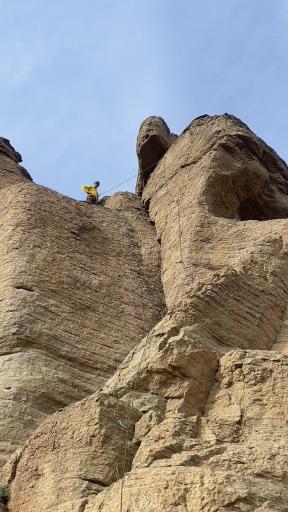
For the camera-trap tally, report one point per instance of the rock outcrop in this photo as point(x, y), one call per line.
point(80, 451)
point(153, 140)
point(233, 457)
point(195, 418)
point(80, 286)
point(7, 149)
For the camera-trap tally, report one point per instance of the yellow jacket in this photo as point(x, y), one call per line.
point(90, 190)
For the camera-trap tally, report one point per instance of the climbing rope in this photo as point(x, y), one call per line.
point(121, 424)
point(118, 422)
point(118, 185)
point(128, 179)
point(176, 202)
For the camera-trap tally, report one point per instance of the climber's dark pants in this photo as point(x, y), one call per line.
point(91, 199)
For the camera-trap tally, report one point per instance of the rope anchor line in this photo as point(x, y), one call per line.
point(128, 179)
point(123, 427)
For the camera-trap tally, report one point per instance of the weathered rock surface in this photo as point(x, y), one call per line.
point(222, 269)
point(204, 394)
point(153, 140)
point(75, 453)
point(7, 149)
point(79, 287)
point(232, 458)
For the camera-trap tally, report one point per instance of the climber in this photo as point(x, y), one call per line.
point(92, 192)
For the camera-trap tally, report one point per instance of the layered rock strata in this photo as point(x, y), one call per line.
point(79, 286)
point(196, 416)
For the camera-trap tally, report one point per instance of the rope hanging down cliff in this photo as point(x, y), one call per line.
point(124, 427)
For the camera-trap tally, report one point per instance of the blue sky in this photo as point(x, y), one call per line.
point(77, 78)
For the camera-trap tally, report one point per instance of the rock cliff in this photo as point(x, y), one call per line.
point(79, 287)
point(195, 417)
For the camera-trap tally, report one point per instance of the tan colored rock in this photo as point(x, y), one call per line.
point(154, 139)
point(144, 426)
point(202, 440)
point(73, 279)
point(123, 201)
point(242, 465)
point(173, 435)
point(218, 199)
point(174, 366)
point(173, 363)
point(225, 274)
point(281, 340)
point(74, 454)
point(185, 489)
point(7, 149)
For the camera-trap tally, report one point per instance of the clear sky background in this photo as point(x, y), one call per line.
point(77, 78)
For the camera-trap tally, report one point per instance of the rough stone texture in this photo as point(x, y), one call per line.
point(74, 454)
point(79, 287)
point(281, 341)
point(153, 140)
point(123, 201)
point(162, 382)
point(204, 394)
point(234, 459)
point(222, 269)
point(174, 363)
point(7, 149)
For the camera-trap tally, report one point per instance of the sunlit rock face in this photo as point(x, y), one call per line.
point(73, 280)
point(218, 199)
point(195, 417)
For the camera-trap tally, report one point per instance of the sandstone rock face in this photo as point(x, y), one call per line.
point(232, 458)
point(195, 418)
point(73, 280)
point(281, 341)
point(72, 463)
point(153, 140)
point(7, 149)
point(214, 198)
